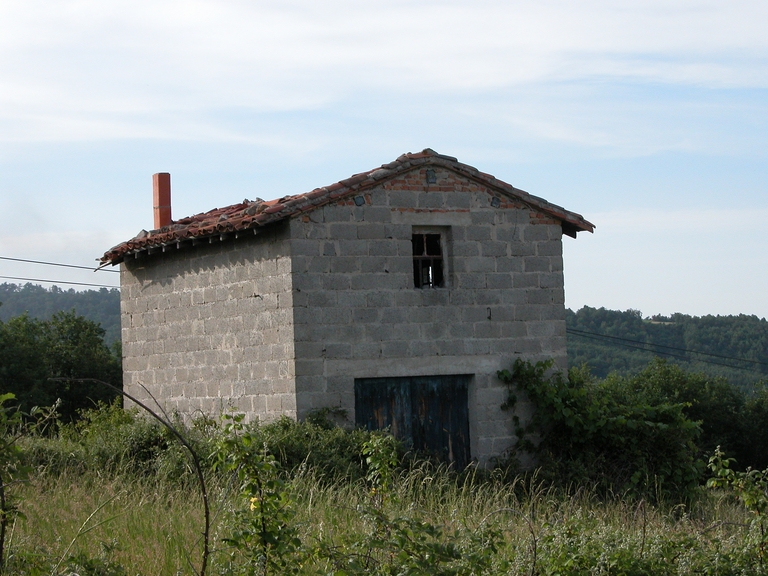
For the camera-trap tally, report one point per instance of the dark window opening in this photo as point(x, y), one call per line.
point(427, 261)
point(428, 413)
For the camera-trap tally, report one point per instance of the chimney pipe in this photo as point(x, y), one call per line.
point(161, 194)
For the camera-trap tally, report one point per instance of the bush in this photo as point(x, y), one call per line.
point(117, 441)
point(607, 434)
point(316, 443)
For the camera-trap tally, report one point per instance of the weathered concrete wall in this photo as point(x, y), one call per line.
point(211, 327)
point(357, 313)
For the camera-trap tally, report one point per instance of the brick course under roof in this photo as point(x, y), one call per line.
point(259, 213)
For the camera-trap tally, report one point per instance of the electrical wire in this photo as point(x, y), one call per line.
point(56, 264)
point(626, 342)
point(606, 336)
point(57, 282)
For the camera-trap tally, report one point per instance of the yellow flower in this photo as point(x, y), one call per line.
point(254, 501)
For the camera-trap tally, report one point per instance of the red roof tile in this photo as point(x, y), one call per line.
point(255, 214)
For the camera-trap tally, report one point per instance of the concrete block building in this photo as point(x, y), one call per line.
point(395, 294)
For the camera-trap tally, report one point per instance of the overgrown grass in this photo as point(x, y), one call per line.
point(151, 528)
point(113, 496)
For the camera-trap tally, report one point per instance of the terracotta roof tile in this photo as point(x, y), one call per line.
point(258, 213)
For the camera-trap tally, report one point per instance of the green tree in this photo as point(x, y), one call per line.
point(66, 347)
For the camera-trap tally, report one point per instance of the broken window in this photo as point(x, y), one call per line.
point(427, 260)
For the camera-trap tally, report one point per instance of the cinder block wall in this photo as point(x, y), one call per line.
point(211, 328)
point(357, 313)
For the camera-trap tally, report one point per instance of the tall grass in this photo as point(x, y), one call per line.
point(116, 498)
point(154, 528)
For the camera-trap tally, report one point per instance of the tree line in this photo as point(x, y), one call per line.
point(612, 341)
point(101, 306)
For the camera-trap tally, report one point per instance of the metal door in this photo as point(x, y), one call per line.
point(427, 413)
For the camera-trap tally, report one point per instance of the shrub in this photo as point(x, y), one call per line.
point(605, 434)
point(315, 443)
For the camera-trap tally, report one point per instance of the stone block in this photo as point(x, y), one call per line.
point(377, 214)
point(487, 329)
point(402, 198)
point(479, 265)
point(488, 297)
point(355, 247)
point(434, 331)
point(365, 350)
point(394, 349)
point(498, 280)
point(372, 230)
point(482, 220)
point(521, 249)
point(408, 297)
point(460, 200)
point(337, 281)
point(395, 316)
point(386, 247)
point(335, 315)
point(380, 299)
point(462, 297)
point(469, 281)
point(420, 348)
point(536, 264)
point(494, 249)
point(536, 233)
point(345, 265)
point(430, 199)
point(435, 297)
point(336, 213)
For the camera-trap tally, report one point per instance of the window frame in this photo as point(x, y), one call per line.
point(442, 279)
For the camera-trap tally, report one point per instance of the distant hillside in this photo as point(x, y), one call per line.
point(102, 306)
point(610, 340)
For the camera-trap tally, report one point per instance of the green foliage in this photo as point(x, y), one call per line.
point(739, 336)
point(67, 347)
point(101, 306)
point(711, 401)
point(330, 451)
point(13, 470)
point(425, 522)
point(753, 448)
point(263, 532)
point(606, 434)
point(393, 544)
point(381, 457)
point(751, 488)
point(120, 442)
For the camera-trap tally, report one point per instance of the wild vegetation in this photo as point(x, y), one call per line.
point(113, 494)
point(656, 471)
point(40, 358)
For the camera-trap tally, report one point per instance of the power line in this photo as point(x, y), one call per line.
point(57, 282)
point(626, 342)
point(56, 264)
point(575, 331)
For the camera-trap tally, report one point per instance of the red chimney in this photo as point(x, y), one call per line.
point(161, 194)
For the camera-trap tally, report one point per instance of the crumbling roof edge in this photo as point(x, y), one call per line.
point(250, 215)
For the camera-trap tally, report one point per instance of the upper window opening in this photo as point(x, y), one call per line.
point(427, 260)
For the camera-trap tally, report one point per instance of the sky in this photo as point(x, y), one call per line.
point(649, 118)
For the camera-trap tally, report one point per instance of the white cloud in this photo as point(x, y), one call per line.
point(88, 69)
